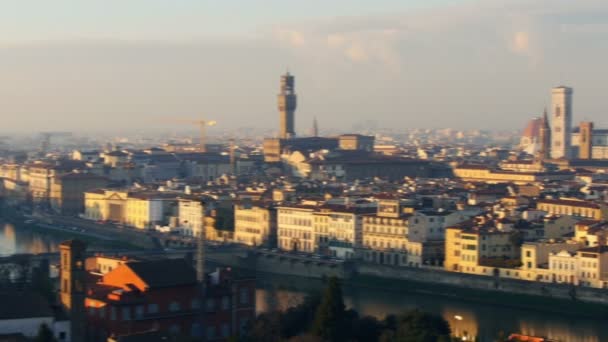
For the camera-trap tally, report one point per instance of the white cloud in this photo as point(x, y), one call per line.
point(521, 42)
point(293, 38)
point(356, 53)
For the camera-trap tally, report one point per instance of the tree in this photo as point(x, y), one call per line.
point(329, 323)
point(266, 327)
point(417, 326)
point(365, 329)
point(45, 334)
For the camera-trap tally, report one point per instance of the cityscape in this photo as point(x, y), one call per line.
point(318, 224)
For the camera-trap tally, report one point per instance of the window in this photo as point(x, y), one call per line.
point(528, 254)
point(225, 330)
point(126, 313)
point(113, 313)
point(210, 305)
point(174, 306)
point(174, 329)
point(153, 308)
point(195, 304)
point(139, 311)
point(225, 303)
point(196, 330)
point(244, 296)
point(210, 332)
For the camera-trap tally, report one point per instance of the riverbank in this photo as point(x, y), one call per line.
point(502, 299)
point(546, 297)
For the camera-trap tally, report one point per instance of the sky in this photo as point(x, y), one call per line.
point(104, 65)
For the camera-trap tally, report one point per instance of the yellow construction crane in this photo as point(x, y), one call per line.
point(203, 124)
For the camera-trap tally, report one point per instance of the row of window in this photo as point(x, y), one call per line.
point(384, 230)
point(128, 313)
point(246, 218)
point(295, 221)
point(568, 210)
point(294, 233)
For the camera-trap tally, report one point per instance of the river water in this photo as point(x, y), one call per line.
point(279, 292)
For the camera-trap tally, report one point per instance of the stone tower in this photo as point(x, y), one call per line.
point(72, 287)
point(544, 137)
point(287, 107)
point(561, 125)
point(585, 140)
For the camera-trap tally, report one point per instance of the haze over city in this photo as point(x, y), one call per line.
point(461, 64)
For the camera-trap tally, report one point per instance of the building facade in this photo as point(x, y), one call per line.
point(287, 103)
point(561, 124)
point(295, 228)
point(255, 224)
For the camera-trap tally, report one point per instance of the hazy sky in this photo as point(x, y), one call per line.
point(103, 64)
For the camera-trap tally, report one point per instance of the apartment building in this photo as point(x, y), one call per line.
point(191, 211)
point(338, 229)
point(255, 224)
point(573, 207)
point(295, 228)
point(479, 248)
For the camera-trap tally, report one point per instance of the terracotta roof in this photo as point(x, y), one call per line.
point(164, 272)
point(532, 129)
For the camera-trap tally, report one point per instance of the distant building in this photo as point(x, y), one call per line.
point(338, 229)
point(191, 211)
point(255, 224)
point(205, 166)
point(274, 148)
point(356, 142)
point(479, 249)
point(67, 191)
point(295, 228)
point(161, 295)
point(561, 124)
point(287, 103)
point(351, 165)
point(530, 138)
point(573, 207)
point(483, 173)
point(22, 314)
point(139, 209)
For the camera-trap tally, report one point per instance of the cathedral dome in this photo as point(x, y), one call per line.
point(532, 130)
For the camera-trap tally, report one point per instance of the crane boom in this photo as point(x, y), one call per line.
point(203, 124)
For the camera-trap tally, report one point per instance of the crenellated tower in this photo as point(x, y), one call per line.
point(287, 103)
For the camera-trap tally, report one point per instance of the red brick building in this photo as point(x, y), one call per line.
point(164, 295)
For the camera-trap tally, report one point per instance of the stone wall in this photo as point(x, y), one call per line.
point(486, 283)
point(295, 266)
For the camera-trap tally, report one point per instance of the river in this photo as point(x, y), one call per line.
point(279, 292)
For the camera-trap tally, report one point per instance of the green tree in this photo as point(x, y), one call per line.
point(329, 323)
point(45, 334)
point(417, 326)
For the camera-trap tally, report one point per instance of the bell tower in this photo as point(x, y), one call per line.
point(72, 287)
point(287, 106)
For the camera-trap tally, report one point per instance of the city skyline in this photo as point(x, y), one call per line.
point(446, 64)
